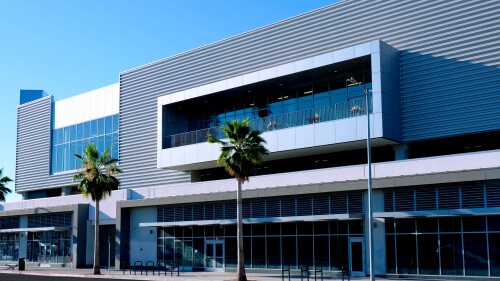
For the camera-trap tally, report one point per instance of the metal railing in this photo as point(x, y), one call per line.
point(352, 108)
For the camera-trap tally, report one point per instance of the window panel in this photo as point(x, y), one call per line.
point(428, 254)
point(475, 254)
point(86, 130)
point(100, 126)
point(72, 134)
point(108, 124)
point(93, 128)
point(494, 241)
point(406, 254)
point(79, 131)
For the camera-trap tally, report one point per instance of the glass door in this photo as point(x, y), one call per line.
point(357, 256)
point(214, 252)
point(184, 254)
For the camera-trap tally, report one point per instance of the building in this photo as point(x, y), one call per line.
point(433, 71)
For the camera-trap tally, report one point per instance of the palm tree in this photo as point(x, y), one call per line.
point(3, 189)
point(97, 181)
point(240, 156)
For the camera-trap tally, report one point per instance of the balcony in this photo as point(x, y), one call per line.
point(352, 108)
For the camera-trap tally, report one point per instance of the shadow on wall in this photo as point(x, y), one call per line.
point(445, 97)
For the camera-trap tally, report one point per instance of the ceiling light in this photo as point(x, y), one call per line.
point(252, 104)
point(308, 92)
point(285, 97)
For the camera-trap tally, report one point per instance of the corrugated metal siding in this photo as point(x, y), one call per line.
point(33, 147)
point(449, 69)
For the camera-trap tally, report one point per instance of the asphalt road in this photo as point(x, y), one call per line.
point(27, 277)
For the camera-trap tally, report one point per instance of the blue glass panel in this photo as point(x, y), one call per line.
point(115, 146)
point(54, 159)
point(72, 133)
point(60, 158)
point(60, 137)
point(78, 151)
point(115, 122)
point(93, 128)
point(67, 157)
point(100, 145)
point(108, 140)
point(100, 126)
point(109, 124)
point(79, 131)
point(86, 130)
point(72, 157)
point(66, 134)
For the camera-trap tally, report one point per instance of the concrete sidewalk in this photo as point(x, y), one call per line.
point(184, 276)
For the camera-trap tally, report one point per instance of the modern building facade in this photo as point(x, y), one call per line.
point(432, 69)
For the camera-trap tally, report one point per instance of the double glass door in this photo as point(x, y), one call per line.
point(214, 252)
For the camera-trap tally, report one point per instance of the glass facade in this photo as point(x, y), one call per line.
point(9, 246)
point(461, 246)
point(67, 141)
point(266, 245)
point(311, 98)
point(49, 247)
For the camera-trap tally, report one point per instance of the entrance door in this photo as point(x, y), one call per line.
point(214, 252)
point(357, 256)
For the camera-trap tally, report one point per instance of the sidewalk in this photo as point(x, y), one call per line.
point(184, 276)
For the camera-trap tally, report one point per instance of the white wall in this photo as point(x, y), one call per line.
point(91, 105)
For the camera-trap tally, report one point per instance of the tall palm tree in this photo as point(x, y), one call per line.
point(97, 181)
point(3, 189)
point(240, 156)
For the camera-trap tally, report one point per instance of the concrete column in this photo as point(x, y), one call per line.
point(400, 151)
point(23, 239)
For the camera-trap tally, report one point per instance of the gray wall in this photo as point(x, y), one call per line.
point(449, 69)
point(33, 146)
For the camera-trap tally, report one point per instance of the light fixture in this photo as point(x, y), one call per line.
point(308, 92)
point(252, 104)
point(285, 97)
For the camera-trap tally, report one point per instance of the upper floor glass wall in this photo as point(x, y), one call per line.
point(306, 93)
point(67, 141)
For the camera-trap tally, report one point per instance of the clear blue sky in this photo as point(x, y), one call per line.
point(71, 47)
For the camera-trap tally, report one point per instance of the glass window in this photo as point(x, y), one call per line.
point(389, 226)
point(289, 251)
point(273, 229)
point(258, 252)
point(116, 122)
point(54, 159)
point(72, 133)
point(390, 255)
point(66, 131)
point(86, 130)
point(406, 254)
point(472, 224)
point(273, 252)
point(231, 252)
point(321, 251)
point(339, 251)
point(288, 229)
point(108, 123)
point(305, 250)
point(115, 146)
point(356, 227)
point(428, 254)
point(79, 131)
point(305, 228)
point(494, 223)
point(100, 126)
point(321, 228)
point(305, 98)
point(93, 128)
point(450, 224)
point(427, 225)
point(405, 225)
point(494, 241)
point(101, 144)
point(475, 253)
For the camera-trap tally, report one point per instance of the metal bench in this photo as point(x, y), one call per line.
point(11, 265)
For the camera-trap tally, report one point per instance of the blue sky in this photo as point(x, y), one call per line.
point(71, 47)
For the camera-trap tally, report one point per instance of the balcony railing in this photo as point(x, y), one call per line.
point(331, 112)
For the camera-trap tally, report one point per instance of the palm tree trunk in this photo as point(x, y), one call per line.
point(97, 269)
point(239, 232)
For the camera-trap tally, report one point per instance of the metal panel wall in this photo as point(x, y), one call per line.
point(449, 68)
point(33, 147)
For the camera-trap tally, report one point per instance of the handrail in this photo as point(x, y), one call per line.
point(326, 113)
